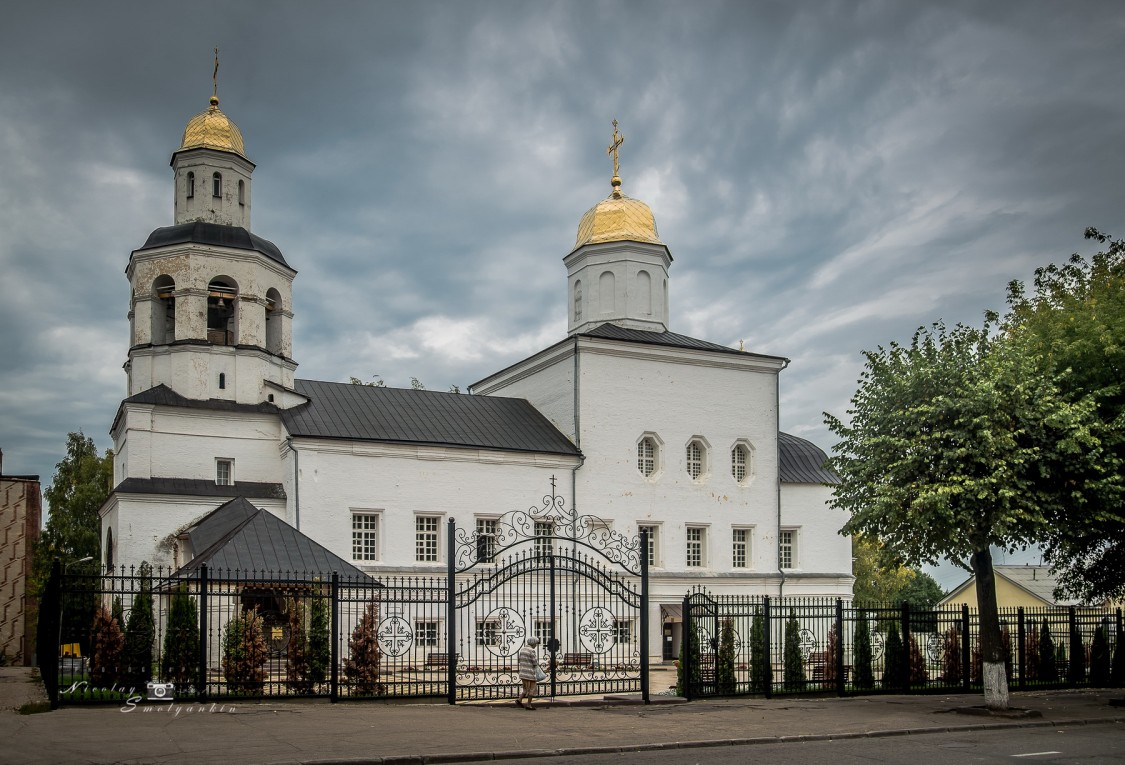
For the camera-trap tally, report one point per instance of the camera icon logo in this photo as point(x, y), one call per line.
point(160, 691)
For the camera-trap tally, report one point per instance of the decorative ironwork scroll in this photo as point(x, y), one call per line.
point(474, 546)
point(395, 636)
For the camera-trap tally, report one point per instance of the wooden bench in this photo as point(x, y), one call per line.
point(439, 660)
point(818, 666)
point(584, 660)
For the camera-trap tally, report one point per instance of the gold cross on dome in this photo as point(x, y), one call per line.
point(215, 75)
point(618, 139)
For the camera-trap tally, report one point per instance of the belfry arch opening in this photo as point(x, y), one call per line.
point(163, 310)
point(222, 311)
point(273, 322)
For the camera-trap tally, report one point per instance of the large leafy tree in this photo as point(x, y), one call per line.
point(879, 578)
point(1074, 322)
point(82, 483)
point(955, 443)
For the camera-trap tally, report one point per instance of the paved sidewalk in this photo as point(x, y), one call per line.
point(320, 732)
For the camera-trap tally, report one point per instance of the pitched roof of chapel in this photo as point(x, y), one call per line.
point(609, 331)
point(216, 235)
point(200, 487)
point(398, 415)
point(237, 536)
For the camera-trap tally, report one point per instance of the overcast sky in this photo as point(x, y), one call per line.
point(827, 176)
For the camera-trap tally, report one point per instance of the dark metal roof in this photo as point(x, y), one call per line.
point(200, 487)
point(671, 339)
point(215, 234)
point(162, 395)
point(237, 536)
point(398, 415)
point(802, 461)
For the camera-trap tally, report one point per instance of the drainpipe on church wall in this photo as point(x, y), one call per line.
point(777, 443)
point(296, 483)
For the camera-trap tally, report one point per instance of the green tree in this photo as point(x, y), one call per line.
point(688, 644)
point(179, 663)
point(320, 641)
point(861, 642)
point(245, 653)
point(725, 681)
point(1074, 322)
point(793, 674)
point(878, 578)
point(956, 443)
point(297, 671)
point(1117, 672)
point(140, 633)
point(759, 659)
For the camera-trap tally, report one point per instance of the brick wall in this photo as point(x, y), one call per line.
point(20, 516)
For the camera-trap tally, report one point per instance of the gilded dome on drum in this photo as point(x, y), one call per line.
point(211, 129)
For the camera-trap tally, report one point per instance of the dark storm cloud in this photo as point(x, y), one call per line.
point(828, 176)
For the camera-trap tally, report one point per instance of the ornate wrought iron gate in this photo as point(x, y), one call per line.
point(572, 581)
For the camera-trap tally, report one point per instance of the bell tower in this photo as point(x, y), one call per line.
point(211, 307)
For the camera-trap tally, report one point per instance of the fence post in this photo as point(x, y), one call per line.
point(839, 657)
point(906, 657)
point(768, 649)
point(203, 582)
point(644, 616)
point(1021, 633)
point(686, 642)
point(335, 688)
point(450, 615)
point(1116, 647)
point(1072, 668)
point(966, 648)
point(47, 635)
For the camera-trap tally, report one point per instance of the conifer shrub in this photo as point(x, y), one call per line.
point(320, 640)
point(1117, 672)
point(1031, 661)
point(107, 642)
point(725, 681)
point(861, 641)
point(365, 656)
point(894, 668)
point(919, 672)
point(831, 650)
point(951, 657)
point(298, 673)
point(1048, 658)
point(793, 675)
point(245, 653)
point(118, 613)
point(760, 667)
point(179, 663)
point(1100, 663)
point(1076, 669)
point(140, 635)
point(689, 644)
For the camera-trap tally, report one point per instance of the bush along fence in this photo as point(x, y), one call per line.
point(743, 645)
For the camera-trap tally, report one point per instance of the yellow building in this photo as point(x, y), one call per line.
point(1027, 586)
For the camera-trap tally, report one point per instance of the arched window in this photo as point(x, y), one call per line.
point(648, 456)
point(578, 301)
point(607, 292)
point(217, 185)
point(697, 453)
point(273, 322)
point(109, 548)
point(222, 380)
point(222, 314)
point(190, 185)
point(163, 310)
point(644, 290)
point(242, 192)
point(738, 462)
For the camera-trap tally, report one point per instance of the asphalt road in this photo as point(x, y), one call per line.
point(1083, 744)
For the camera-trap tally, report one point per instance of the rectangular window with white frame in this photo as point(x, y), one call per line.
point(543, 630)
point(653, 543)
point(696, 547)
point(787, 549)
point(543, 538)
point(365, 535)
point(487, 632)
point(741, 547)
point(486, 540)
point(623, 631)
point(224, 471)
point(426, 634)
point(426, 538)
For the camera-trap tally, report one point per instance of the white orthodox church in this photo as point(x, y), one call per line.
point(631, 422)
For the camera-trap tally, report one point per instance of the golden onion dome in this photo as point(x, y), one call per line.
point(211, 129)
point(617, 218)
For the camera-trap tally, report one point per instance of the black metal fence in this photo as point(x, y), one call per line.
point(763, 645)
